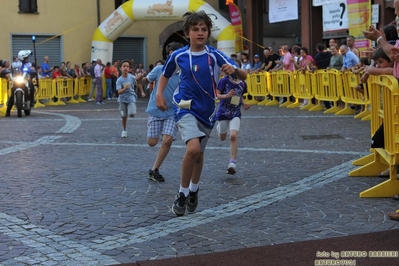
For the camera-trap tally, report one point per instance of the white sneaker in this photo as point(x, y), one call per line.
point(90, 100)
point(124, 134)
point(231, 170)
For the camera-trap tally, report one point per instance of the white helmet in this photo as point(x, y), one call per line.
point(24, 54)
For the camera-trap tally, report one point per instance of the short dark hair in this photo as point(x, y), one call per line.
point(193, 18)
point(320, 46)
point(173, 46)
point(126, 61)
point(379, 53)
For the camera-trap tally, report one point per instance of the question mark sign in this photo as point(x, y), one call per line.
point(342, 13)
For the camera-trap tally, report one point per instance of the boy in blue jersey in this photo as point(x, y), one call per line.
point(161, 123)
point(194, 100)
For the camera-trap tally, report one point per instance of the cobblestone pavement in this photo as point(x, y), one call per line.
point(73, 192)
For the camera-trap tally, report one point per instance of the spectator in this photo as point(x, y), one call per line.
point(350, 42)
point(16, 64)
point(336, 60)
point(350, 58)
point(77, 71)
point(245, 63)
point(93, 80)
point(108, 80)
point(56, 73)
point(98, 73)
point(115, 76)
point(257, 64)
point(46, 69)
point(141, 71)
point(270, 60)
point(306, 61)
point(323, 57)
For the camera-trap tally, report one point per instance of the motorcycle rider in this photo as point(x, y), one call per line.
point(23, 56)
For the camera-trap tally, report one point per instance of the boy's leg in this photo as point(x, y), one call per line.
point(234, 126)
point(196, 136)
point(123, 109)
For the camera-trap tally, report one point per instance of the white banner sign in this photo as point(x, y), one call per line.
point(324, 2)
point(335, 16)
point(283, 10)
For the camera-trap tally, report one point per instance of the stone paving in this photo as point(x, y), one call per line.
point(73, 192)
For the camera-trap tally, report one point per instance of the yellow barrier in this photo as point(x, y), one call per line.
point(302, 88)
point(328, 85)
point(258, 84)
point(82, 87)
point(349, 95)
point(3, 95)
point(384, 108)
point(280, 87)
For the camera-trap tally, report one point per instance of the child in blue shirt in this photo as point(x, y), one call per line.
point(194, 100)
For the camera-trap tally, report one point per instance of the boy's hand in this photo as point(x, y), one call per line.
point(231, 93)
point(246, 106)
point(228, 69)
point(143, 94)
point(160, 102)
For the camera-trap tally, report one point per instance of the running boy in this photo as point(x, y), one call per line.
point(161, 123)
point(127, 97)
point(194, 100)
point(230, 91)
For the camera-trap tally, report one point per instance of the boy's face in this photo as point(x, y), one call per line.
point(125, 68)
point(383, 63)
point(198, 36)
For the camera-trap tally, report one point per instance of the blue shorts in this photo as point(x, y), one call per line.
point(160, 126)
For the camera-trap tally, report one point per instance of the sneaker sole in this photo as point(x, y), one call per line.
point(156, 180)
point(178, 213)
point(231, 171)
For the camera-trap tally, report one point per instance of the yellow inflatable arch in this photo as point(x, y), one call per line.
point(138, 10)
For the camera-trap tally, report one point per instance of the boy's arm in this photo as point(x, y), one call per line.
point(379, 71)
point(160, 99)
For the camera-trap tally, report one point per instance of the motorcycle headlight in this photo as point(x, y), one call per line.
point(19, 80)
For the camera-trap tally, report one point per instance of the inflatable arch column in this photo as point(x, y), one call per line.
point(146, 10)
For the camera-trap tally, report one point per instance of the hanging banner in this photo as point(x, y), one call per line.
point(283, 10)
point(359, 19)
point(335, 16)
point(236, 21)
point(324, 2)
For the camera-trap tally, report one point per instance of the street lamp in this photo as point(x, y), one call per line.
point(34, 51)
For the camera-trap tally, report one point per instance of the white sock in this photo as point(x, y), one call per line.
point(193, 187)
point(185, 190)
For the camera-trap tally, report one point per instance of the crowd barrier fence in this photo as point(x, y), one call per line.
point(384, 101)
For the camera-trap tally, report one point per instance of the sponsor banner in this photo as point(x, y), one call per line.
point(283, 10)
point(324, 2)
point(115, 24)
point(335, 16)
point(160, 9)
point(102, 50)
point(359, 19)
point(236, 21)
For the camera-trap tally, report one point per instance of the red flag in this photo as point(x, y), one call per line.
point(236, 22)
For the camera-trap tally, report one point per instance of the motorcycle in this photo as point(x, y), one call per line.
point(20, 90)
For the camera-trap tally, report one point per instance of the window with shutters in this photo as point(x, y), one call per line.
point(27, 6)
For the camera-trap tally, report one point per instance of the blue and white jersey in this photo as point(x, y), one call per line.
point(199, 74)
point(173, 83)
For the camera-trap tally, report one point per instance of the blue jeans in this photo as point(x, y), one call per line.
point(109, 87)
